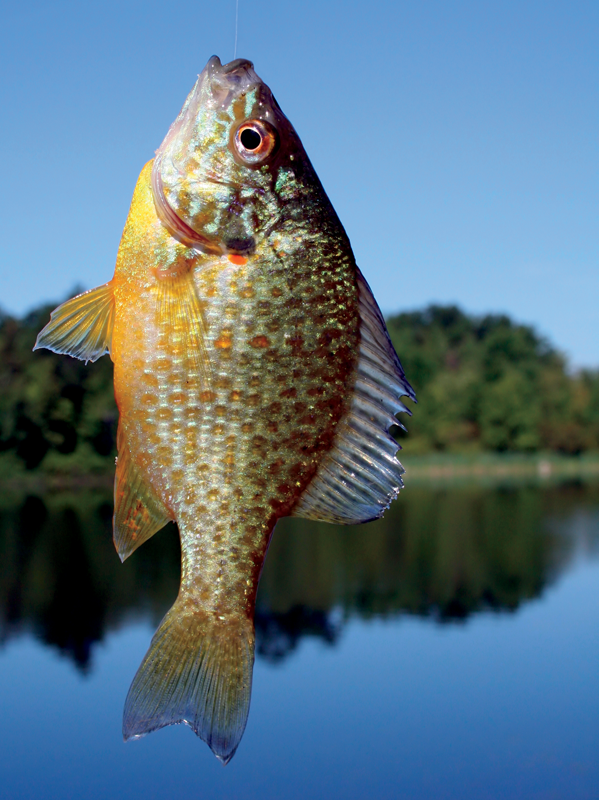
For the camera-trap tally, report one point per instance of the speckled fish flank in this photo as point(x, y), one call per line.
point(254, 378)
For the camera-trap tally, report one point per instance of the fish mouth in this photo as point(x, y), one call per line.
point(214, 64)
point(228, 80)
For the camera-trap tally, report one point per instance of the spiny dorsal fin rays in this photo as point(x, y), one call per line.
point(138, 513)
point(81, 327)
point(360, 476)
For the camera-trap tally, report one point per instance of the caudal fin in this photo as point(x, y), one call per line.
point(198, 670)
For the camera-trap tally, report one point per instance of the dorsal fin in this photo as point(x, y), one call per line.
point(360, 476)
point(81, 327)
point(138, 512)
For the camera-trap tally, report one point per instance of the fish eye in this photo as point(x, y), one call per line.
point(255, 140)
point(250, 139)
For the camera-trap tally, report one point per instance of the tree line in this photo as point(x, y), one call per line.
point(489, 383)
point(483, 384)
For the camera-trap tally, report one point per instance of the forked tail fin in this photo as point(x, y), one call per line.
point(198, 670)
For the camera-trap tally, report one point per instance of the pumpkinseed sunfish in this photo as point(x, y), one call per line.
point(254, 376)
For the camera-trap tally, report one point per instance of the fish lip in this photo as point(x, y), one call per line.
point(214, 66)
point(228, 80)
point(238, 64)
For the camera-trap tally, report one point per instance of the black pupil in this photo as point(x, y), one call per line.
point(250, 139)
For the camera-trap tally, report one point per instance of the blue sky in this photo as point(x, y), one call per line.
point(456, 139)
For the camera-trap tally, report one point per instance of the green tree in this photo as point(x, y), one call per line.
point(54, 410)
point(489, 383)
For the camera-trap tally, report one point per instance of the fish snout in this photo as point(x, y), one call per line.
point(232, 79)
point(236, 66)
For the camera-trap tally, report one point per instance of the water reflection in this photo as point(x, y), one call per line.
point(443, 553)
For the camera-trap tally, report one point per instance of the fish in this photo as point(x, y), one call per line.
point(254, 377)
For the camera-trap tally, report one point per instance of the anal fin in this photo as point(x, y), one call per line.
point(138, 513)
point(81, 327)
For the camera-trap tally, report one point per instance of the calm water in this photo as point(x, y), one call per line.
point(450, 650)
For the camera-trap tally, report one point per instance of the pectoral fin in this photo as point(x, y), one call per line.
point(138, 513)
point(81, 327)
point(180, 306)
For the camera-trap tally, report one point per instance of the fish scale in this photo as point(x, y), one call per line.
point(278, 385)
point(254, 378)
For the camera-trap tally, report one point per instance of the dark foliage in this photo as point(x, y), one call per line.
point(490, 384)
point(54, 410)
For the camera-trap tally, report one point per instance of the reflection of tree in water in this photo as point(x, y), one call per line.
point(278, 634)
point(67, 593)
point(445, 554)
point(61, 578)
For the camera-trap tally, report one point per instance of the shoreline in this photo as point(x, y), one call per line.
point(431, 469)
point(498, 468)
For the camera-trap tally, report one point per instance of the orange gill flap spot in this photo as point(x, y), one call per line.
point(239, 261)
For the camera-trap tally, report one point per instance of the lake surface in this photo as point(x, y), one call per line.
point(450, 650)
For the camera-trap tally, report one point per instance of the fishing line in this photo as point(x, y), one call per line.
point(236, 21)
